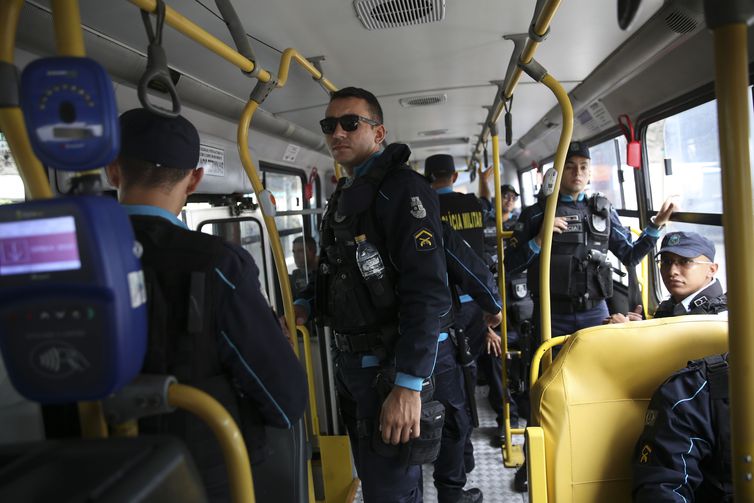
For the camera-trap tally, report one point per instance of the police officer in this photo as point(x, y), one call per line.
point(305, 258)
point(385, 317)
point(687, 267)
point(684, 452)
point(462, 220)
point(254, 374)
point(584, 230)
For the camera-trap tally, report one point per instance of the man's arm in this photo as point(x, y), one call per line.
point(677, 437)
point(467, 270)
point(522, 249)
point(630, 253)
point(252, 346)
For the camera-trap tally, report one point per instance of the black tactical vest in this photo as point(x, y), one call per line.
point(711, 300)
point(464, 213)
point(179, 269)
point(580, 272)
point(343, 297)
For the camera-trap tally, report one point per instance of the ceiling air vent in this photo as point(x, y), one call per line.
point(680, 22)
point(432, 132)
point(381, 14)
point(423, 101)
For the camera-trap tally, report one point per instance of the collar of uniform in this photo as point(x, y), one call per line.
point(444, 190)
point(153, 211)
point(362, 168)
point(687, 301)
point(569, 199)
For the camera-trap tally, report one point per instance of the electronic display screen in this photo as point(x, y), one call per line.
point(72, 133)
point(39, 245)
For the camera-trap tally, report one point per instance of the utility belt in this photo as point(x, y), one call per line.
point(571, 306)
point(426, 447)
point(358, 343)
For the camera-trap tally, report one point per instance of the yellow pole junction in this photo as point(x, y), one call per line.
point(12, 122)
point(566, 110)
point(731, 88)
point(225, 429)
point(539, 355)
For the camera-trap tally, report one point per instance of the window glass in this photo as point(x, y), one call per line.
point(531, 181)
point(608, 162)
point(11, 185)
point(684, 159)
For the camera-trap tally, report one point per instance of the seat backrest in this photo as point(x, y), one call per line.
point(592, 400)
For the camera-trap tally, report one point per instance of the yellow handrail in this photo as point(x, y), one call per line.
point(310, 373)
point(225, 429)
point(539, 354)
point(552, 202)
point(66, 19)
point(92, 420)
point(731, 87)
point(643, 282)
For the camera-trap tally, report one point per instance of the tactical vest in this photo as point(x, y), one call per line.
point(711, 300)
point(179, 269)
point(717, 485)
point(464, 213)
point(580, 271)
point(343, 297)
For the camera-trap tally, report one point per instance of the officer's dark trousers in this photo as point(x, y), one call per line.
point(383, 480)
point(450, 475)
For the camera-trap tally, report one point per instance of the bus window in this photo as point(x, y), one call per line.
point(608, 163)
point(531, 181)
point(288, 189)
point(11, 185)
point(684, 160)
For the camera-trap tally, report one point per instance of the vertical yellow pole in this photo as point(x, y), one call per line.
point(566, 110)
point(66, 18)
point(731, 86)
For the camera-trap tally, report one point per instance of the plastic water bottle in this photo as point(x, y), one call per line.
point(373, 271)
point(368, 259)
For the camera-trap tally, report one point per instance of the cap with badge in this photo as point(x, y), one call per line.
point(437, 164)
point(167, 142)
point(578, 148)
point(688, 245)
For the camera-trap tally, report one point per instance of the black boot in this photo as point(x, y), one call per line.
point(520, 484)
point(473, 495)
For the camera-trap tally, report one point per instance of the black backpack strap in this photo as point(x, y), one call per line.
point(716, 370)
point(717, 376)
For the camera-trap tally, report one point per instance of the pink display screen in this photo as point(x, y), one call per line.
point(39, 245)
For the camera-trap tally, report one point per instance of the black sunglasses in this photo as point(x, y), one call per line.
point(348, 122)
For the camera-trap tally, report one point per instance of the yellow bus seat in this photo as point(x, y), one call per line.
point(590, 403)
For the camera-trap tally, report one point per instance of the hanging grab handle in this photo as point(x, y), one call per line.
point(157, 73)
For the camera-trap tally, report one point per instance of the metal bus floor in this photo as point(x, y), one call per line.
point(489, 475)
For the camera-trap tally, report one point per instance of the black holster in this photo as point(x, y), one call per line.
point(426, 447)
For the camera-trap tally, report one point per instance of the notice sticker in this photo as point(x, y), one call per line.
point(212, 159)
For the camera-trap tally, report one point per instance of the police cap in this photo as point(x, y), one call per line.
point(438, 163)
point(687, 244)
point(168, 142)
point(508, 188)
point(578, 148)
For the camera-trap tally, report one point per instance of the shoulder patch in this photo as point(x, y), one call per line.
point(646, 450)
point(650, 417)
point(424, 240)
point(417, 208)
point(519, 226)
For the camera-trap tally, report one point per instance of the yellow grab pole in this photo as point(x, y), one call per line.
point(92, 419)
point(293, 55)
point(541, 26)
point(225, 429)
point(731, 87)
point(310, 373)
point(338, 171)
point(199, 35)
point(66, 18)
point(509, 457)
point(644, 282)
point(12, 122)
point(539, 355)
point(566, 110)
point(269, 220)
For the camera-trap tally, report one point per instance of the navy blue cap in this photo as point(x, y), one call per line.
point(687, 244)
point(578, 148)
point(508, 188)
point(168, 142)
point(439, 163)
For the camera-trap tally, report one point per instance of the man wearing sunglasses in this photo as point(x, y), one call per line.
point(687, 267)
point(386, 323)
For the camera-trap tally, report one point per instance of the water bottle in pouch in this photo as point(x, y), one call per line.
point(373, 271)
